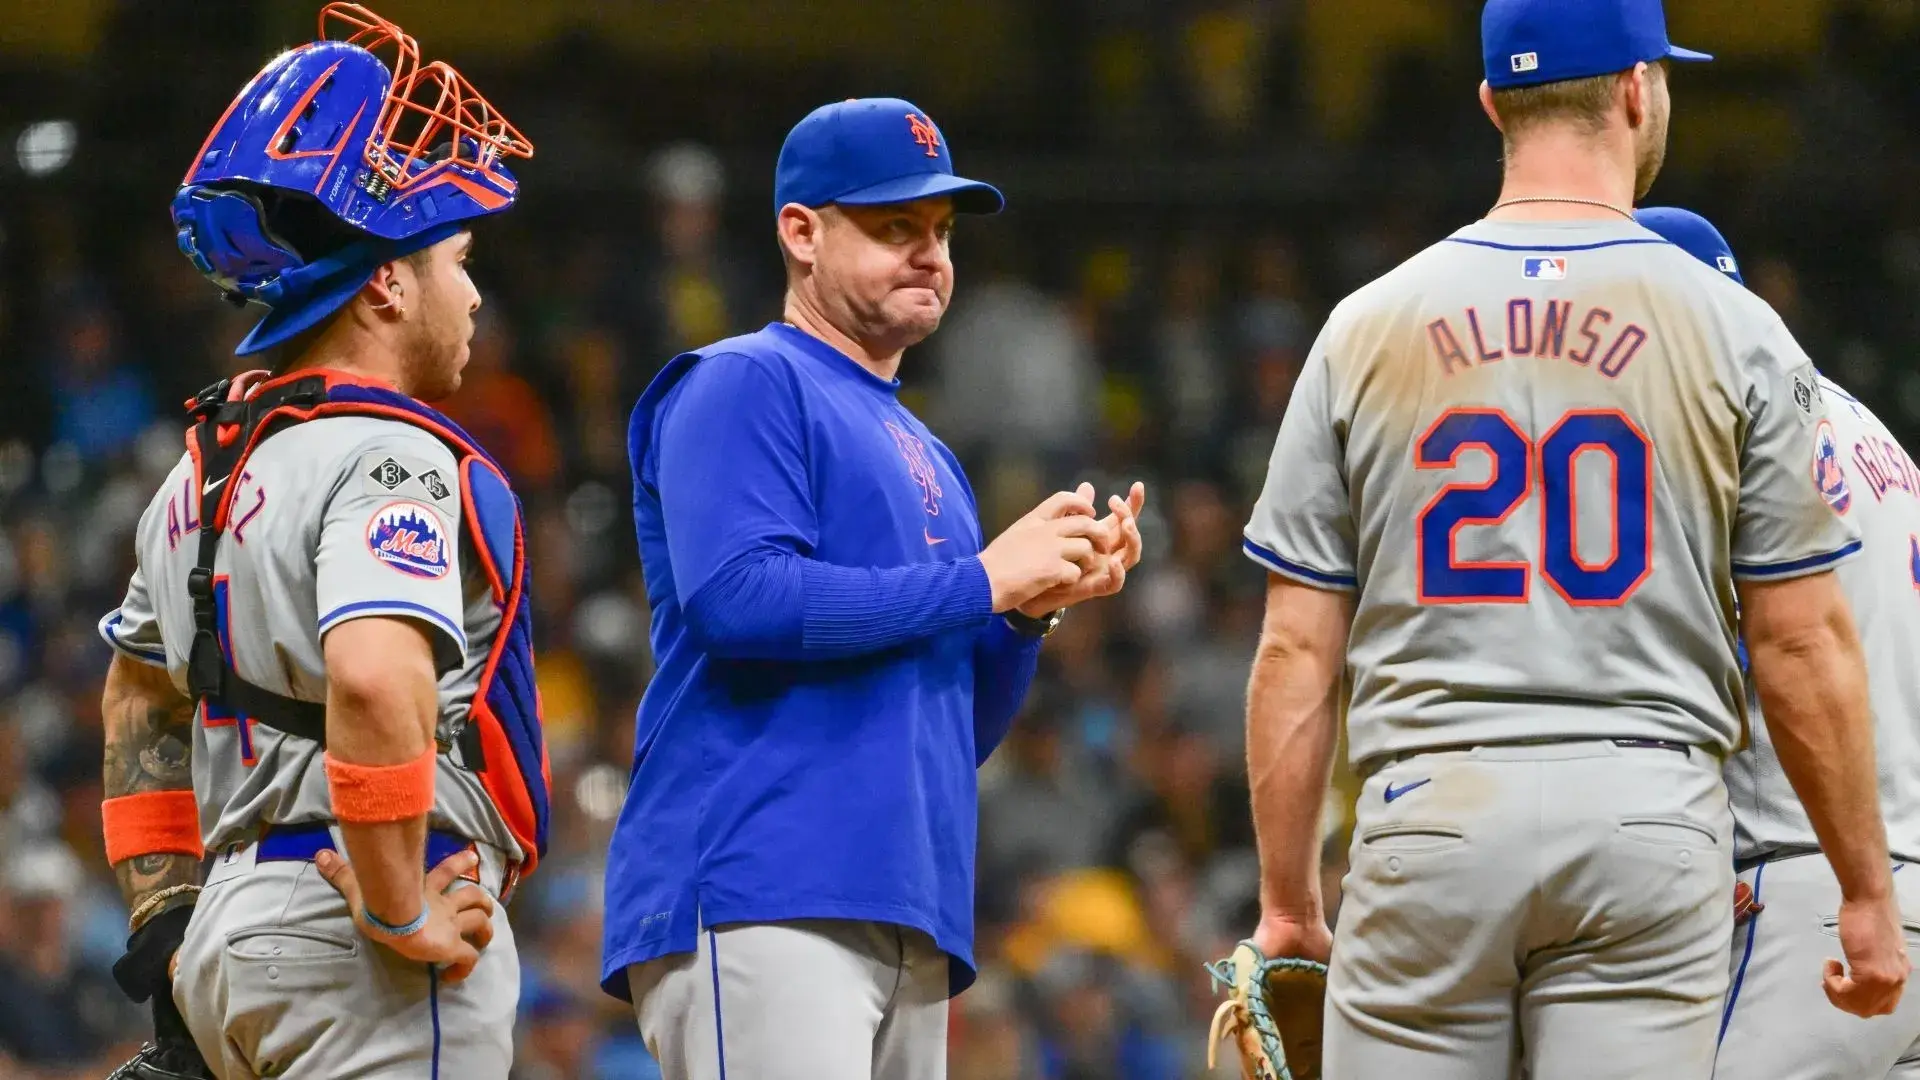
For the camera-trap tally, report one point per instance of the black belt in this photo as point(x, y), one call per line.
point(1741, 866)
point(1781, 854)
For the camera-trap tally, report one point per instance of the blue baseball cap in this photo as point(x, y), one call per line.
point(871, 152)
point(1528, 42)
point(1692, 234)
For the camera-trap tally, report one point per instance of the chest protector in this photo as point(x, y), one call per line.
point(500, 739)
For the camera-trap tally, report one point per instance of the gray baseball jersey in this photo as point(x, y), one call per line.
point(1867, 477)
point(1540, 453)
point(334, 519)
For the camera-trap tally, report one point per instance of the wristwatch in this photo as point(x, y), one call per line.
point(1032, 627)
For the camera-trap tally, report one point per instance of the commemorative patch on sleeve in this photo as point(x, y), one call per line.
point(404, 476)
point(1806, 393)
point(411, 538)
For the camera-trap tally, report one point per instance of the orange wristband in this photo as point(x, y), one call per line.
point(151, 823)
point(378, 794)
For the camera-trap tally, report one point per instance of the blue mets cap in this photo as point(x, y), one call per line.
point(871, 152)
point(1528, 42)
point(1692, 234)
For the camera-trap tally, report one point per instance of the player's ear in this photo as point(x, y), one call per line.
point(1638, 88)
point(386, 293)
point(799, 228)
point(1486, 106)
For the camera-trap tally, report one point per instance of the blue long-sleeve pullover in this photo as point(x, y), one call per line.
point(829, 673)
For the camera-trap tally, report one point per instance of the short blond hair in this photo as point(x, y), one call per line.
point(1584, 103)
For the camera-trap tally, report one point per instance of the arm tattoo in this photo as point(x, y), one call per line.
point(144, 875)
point(149, 738)
point(147, 743)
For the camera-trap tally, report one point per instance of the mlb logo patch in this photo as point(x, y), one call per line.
point(1524, 61)
point(409, 537)
point(1545, 267)
point(1725, 264)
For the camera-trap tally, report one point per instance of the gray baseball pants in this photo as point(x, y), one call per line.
point(1562, 907)
point(812, 999)
point(1778, 1023)
point(276, 981)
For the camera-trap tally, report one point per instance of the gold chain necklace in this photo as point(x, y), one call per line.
point(1628, 214)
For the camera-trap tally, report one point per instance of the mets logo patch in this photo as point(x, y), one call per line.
point(409, 537)
point(1544, 267)
point(1827, 472)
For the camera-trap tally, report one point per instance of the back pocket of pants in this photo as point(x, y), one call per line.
point(1830, 926)
point(1670, 831)
point(1410, 837)
point(289, 945)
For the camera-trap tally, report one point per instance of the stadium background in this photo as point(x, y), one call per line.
point(1193, 184)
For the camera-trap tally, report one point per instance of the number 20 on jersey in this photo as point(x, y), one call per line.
point(1523, 468)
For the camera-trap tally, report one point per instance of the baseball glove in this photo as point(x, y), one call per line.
point(1272, 1013)
point(144, 976)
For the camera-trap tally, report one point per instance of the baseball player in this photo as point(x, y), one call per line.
point(789, 893)
point(1772, 1027)
point(323, 671)
point(1522, 481)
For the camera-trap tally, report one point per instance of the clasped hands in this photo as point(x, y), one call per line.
point(1060, 554)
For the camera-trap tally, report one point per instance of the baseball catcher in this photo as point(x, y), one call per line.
point(323, 664)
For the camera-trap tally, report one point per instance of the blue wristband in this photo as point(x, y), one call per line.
point(419, 922)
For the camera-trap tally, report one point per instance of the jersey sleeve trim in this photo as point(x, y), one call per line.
point(361, 609)
point(109, 633)
point(1796, 567)
point(1288, 568)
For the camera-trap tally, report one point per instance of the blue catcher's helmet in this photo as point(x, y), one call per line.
point(398, 154)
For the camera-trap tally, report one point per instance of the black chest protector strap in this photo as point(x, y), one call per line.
point(210, 674)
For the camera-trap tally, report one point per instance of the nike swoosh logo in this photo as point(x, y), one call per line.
point(1395, 792)
point(211, 484)
point(932, 539)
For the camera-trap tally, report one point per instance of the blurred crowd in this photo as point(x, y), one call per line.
point(1151, 337)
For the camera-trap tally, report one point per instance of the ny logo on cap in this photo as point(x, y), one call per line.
point(1525, 61)
point(924, 133)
